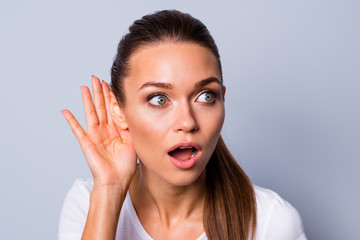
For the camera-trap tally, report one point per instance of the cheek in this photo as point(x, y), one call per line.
point(148, 129)
point(151, 128)
point(148, 122)
point(211, 123)
point(211, 120)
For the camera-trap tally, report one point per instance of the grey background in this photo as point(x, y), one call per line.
point(292, 106)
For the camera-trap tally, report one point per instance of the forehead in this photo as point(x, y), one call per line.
point(176, 63)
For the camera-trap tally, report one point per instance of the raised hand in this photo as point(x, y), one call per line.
point(108, 149)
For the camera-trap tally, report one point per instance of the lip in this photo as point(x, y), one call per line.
point(185, 144)
point(185, 164)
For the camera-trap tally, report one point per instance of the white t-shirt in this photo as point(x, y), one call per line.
point(276, 218)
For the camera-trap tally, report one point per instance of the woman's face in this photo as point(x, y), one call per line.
point(174, 109)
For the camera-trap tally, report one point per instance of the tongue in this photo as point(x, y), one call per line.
point(182, 154)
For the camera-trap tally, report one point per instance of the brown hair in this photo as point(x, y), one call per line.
point(230, 206)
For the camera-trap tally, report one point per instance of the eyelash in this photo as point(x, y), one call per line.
point(156, 95)
point(163, 95)
point(210, 91)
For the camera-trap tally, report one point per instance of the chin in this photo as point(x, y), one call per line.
point(174, 176)
point(186, 178)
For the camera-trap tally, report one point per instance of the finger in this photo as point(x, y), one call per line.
point(78, 131)
point(106, 91)
point(90, 112)
point(99, 100)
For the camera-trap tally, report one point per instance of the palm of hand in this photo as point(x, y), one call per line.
point(108, 149)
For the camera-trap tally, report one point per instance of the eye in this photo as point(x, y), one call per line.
point(157, 100)
point(206, 97)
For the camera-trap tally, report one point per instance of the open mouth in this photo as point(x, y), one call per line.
point(183, 153)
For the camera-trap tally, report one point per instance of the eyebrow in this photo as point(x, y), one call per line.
point(163, 85)
point(157, 84)
point(206, 81)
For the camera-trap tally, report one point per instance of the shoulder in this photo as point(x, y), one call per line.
point(276, 218)
point(81, 187)
point(75, 209)
point(78, 196)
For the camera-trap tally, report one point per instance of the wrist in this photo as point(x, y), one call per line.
point(104, 211)
point(112, 184)
point(108, 194)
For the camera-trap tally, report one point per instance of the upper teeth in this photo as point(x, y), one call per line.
point(184, 147)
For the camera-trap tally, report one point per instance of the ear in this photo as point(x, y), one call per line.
point(223, 92)
point(117, 113)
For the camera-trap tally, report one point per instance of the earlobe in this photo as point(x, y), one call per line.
point(117, 113)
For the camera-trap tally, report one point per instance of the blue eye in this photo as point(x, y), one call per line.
point(157, 100)
point(207, 97)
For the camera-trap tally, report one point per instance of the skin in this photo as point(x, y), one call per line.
point(148, 125)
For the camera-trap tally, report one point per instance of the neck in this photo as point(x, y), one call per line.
point(156, 198)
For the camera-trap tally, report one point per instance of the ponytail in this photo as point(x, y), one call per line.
point(230, 206)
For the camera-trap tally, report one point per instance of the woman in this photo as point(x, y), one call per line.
point(166, 108)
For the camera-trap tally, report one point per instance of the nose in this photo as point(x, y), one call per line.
point(184, 119)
